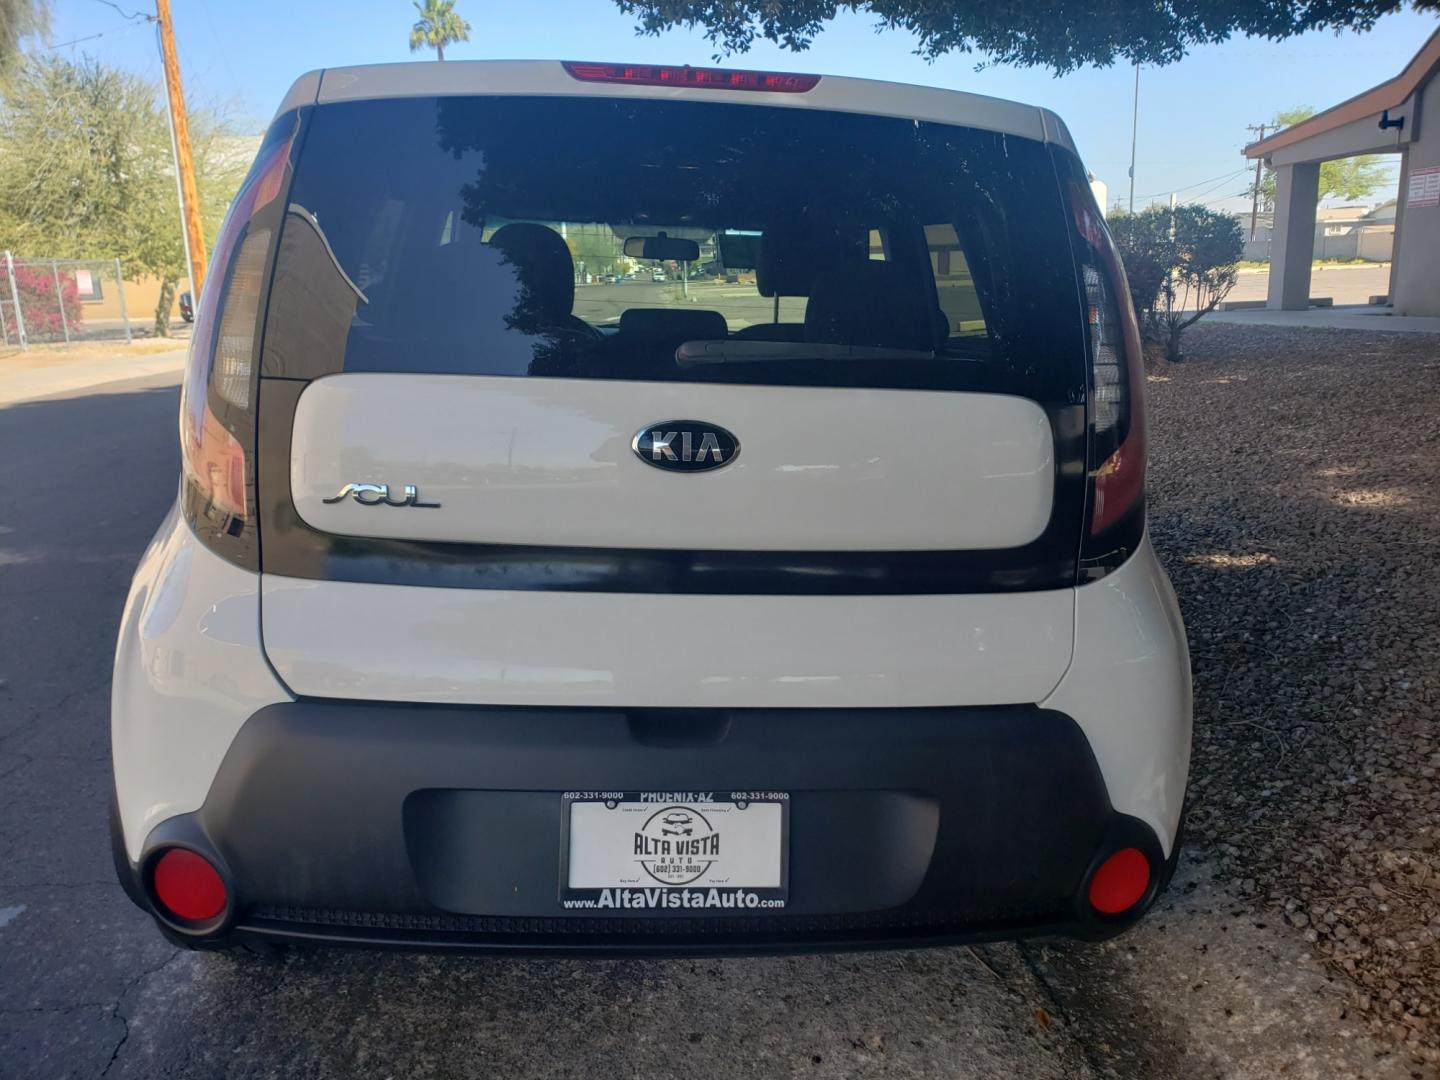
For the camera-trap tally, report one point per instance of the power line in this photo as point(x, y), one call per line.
point(131, 15)
point(1217, 198)
point(116, 30)
point(76, 41)
point(1199, 183)
point(134, 19)
point(1216, 187)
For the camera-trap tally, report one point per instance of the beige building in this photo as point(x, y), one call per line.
point(1341, 232)
point(141, 297)
point(1400, 116)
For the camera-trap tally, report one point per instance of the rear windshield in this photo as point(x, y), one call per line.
point(673, 240)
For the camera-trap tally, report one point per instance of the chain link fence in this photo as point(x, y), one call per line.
point(62, 301)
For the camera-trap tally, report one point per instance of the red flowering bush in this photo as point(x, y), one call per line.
point(39, 305)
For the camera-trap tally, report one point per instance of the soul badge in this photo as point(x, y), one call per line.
point(677, 845)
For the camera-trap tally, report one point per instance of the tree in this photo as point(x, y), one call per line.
point(437, 27)
point(1144, 243)
point(86, 169)
point(595, 249)
point(18, 19)
point(1181, 262)
point(221, 160)
point(1059, 34)
point(1349, 178)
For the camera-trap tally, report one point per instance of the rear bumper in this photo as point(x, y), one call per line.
point(440, 826)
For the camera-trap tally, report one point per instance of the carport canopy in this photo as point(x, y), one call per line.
point(1386, 119)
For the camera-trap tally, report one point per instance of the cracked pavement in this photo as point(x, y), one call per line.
point(1204, 988)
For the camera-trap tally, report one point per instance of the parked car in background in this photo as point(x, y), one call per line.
point(187, 307)
point(816, 613)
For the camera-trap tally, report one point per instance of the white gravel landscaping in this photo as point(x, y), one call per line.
point(1295, 502)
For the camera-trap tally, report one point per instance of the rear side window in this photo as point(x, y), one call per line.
point(673, 240)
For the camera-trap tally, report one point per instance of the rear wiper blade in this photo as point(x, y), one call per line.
point(701, 353)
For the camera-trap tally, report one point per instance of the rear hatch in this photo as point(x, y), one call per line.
point(552, 383)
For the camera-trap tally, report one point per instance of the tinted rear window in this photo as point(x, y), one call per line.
point(665, 240)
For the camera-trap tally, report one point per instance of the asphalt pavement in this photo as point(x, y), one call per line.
point(89, 989)
point(739, 303)
point(1343, 283)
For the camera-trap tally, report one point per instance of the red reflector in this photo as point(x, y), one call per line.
point(1120, 882)
point(779, 82)
point(187, 886)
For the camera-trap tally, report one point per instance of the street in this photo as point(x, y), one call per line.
point(743, 306)
point(739, 302)
point(1204, 986)
point(1344, 284)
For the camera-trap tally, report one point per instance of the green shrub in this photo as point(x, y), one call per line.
point(1181, 263)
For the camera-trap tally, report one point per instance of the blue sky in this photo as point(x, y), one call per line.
point(1193, 114)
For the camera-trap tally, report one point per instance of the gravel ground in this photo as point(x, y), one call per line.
point(1294, 502)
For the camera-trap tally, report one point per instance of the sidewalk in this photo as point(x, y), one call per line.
point(1339, 317)
point(45, 373)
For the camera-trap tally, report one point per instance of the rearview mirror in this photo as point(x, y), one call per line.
point(662, 248)
point(739, 250)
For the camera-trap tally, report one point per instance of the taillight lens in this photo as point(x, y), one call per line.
point(214, 462)
point(1117, 397)
point(222, 345)
point(1116, 393)
point(187, 887)
point(234, 344)
point(779, 82)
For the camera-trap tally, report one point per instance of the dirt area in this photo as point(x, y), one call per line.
point(47, 353)
point(1294, 501)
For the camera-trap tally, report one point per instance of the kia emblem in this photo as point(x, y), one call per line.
point(685, 445)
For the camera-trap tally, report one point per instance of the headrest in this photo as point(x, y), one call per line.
point(673, 324)
point(451, 277)
point(545, 270)
point(793, 254)
point(870, 303)
point(771, 331)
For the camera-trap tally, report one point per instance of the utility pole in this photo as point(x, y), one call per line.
point(1255, 192)
point(184, 164)
point(1134, 132)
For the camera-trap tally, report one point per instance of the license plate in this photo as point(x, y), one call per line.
point(674, 852)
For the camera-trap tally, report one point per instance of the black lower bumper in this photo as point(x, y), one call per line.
point(440, 827)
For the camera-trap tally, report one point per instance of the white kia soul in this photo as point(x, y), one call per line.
point(663, 509)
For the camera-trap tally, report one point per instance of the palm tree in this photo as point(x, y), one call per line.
point(437, 27)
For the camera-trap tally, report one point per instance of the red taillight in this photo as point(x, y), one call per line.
point(1120, 882)
point(187, 887)
point(779, 82)
point(1119, 484)
point(214, 461)
point(221, 347)
point(1117, 375)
